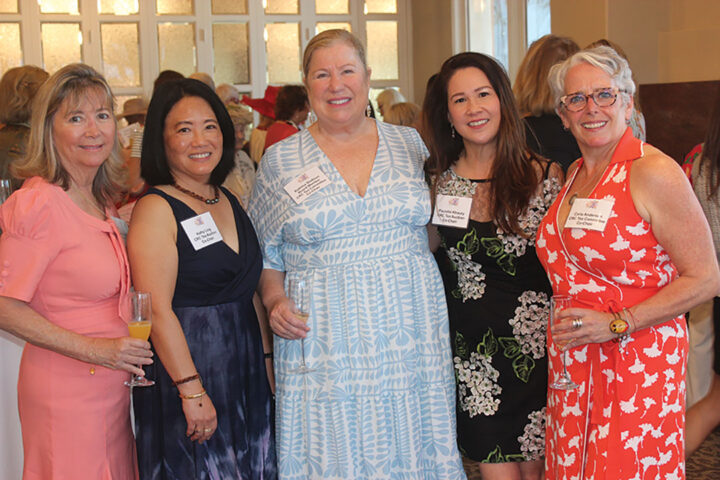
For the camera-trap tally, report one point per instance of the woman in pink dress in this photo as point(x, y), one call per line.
point(627, 240)
point(64, 278)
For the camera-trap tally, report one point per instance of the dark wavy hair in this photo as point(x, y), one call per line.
point(290, 99)
point(514, 176)
point(711, 150)
point(153, 160)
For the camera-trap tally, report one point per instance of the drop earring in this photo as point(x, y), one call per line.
point(452, 130)
point(368, 110)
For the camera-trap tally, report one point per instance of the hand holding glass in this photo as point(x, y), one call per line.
point(559, 303)
point(139, 327)
point(299, 292)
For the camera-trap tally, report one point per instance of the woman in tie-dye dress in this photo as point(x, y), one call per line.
point(648, 264)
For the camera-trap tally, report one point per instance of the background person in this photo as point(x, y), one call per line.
point(205, 329)
point(241, 178)
point(496, 290)
point(291, 111)
point(404, 113)
point(631, 280)
point(379, 402)
point(64, 286)
point(705, 415)
point(18, 87)
point(265, 107)
point(543, 128)
point(387, 98)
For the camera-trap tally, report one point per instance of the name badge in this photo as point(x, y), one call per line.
point(307, 183)
point(201, 230)
point(452, 211)
point(589, 213)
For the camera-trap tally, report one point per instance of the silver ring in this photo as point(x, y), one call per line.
point(577, 323)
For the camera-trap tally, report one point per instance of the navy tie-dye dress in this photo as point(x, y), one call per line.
point(213, 302)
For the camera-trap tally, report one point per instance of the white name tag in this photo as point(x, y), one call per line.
point(201, 230)
point(307, 183)
point(452, 211)
point(589, 214)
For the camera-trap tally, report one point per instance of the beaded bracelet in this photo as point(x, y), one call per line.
point(188, 379)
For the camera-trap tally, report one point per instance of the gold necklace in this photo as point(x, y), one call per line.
point(593, 181)
point(91, 200)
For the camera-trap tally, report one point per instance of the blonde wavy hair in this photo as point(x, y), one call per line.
point(18, 87)
point(70, 84)
point(531, 88)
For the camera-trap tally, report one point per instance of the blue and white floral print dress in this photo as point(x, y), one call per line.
point(498, 296)
point(380, 401)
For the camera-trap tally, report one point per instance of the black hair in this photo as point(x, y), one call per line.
point(153, 160)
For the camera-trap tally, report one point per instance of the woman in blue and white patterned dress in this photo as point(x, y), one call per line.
point(379, 402)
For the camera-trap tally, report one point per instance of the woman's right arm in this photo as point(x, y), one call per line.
point(123, 353)
point(154, 265)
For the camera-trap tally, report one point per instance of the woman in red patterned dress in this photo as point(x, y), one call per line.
point(627, 240)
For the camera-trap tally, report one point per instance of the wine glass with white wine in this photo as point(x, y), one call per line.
point(298, 291)
point(139, 327)
point(559, 303)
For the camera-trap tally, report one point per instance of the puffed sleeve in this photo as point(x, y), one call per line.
point(268, 211)
point(29, 242)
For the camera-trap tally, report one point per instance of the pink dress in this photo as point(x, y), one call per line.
point(72, 269)
point(626, 419)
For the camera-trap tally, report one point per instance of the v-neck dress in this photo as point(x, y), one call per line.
point(626, 420)
point(213, 303)
point(380, 400)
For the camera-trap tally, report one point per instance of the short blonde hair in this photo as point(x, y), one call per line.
point(403, 113)
point(18, 87)
point(71, 83)
point(388, 97)
point(329, 37)
point(532, 89)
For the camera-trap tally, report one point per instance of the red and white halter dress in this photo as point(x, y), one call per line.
point(626, 420)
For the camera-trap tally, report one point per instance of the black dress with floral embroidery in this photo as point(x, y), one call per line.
point(498, 301)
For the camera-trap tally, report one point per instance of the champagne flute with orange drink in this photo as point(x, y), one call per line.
point(139, 327)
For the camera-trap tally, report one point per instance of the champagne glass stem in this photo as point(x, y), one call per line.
point(565, 372)
point(302, 350)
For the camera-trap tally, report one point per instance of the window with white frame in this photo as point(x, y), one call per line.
point(505, 28)
point(247, 43)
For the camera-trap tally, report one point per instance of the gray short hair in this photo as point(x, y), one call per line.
point(604, 58)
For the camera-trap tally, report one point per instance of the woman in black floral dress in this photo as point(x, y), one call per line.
point(490, 194)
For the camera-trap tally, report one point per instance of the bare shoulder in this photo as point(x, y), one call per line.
point(152, 217)
point(659, 186)
point(656, 170)
point(545, 169)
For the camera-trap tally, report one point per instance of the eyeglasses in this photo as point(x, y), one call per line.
point(603, 97)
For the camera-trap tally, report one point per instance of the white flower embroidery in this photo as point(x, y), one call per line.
point(470, 277)
point(530, 219)
point(532, 441)
point(530, 323)
point(477, 385)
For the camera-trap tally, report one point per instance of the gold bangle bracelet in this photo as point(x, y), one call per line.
point(192, 395)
